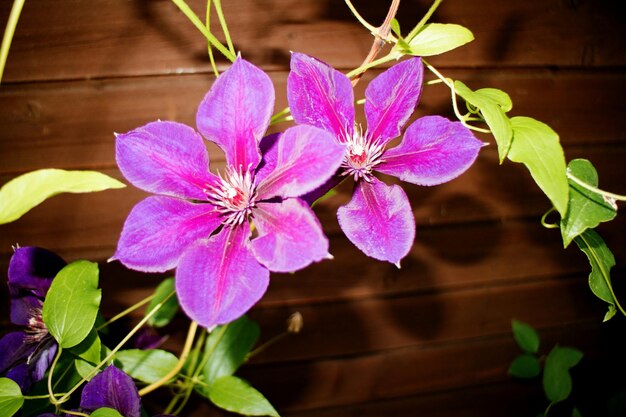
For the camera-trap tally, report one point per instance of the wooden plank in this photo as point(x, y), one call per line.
point(58, 39)
point(71, 125)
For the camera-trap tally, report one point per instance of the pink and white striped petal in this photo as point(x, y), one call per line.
point(290, 236)
point(379, 221)
point(219, 279)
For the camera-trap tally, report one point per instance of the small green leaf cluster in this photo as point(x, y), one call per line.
point(556, 380)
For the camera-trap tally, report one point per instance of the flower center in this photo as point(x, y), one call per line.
point(36, 329)
point(234, 196)
point(362, 155)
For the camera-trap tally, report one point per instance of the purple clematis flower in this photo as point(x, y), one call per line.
point(112, 388)
point(26, 355)
point(200, 222)
point(434, 150)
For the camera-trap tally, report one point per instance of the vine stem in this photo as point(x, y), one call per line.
point(53, 398)
point(360, 18)
point(118, 347)
point(191, 334)
point(127, 311)
point(222, 19)
point(209, 47)
point(605, 194)
point(381, 35)
point(202, 28)
point(14, 16)
point(422, 22)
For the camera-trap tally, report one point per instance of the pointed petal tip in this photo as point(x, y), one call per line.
point(397, 264)
point(329, 257)
point(485, 144)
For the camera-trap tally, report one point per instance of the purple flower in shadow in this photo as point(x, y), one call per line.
point(26, 355)
point(434, 150)
point(200, 222)
point(112, 388)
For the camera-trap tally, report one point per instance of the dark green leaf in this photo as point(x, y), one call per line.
point(106, 412)
point(601, 260)
point(167, 312)
point(11, 398)
point(84, 368)
point(72, 303)
point(576, 413)
point(23, 193)
point(525, 336)
point(236, 395)
point(525, 366)
point(146, 365)
point(89, 349)
point(537, 146)
point(227, 347)
point(557, 382)
point(586, 208)
point(437, 38)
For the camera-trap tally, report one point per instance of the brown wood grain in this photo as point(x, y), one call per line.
point(75, 39)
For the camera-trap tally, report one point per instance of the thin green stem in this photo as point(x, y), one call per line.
point(73, 413)
point(220, 16)
point(279, 115)
point(14, 16)
point(605, 194)
point(360, 18)
point(53, 398)
point(209, 47)
point(605, 274)
point(544, 220)
point(363, 68)
point(38, 397)
point(202, 28)
point(191, 334)
point(266, 345)
point(127, 311)
point(118, 347)
point(422, 22)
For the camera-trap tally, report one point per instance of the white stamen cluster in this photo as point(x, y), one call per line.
point(362, 155)
point(36, 329)
point(234, 196)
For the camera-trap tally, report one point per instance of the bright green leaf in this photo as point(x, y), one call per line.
point(72, 303)
point(601, 260)
point(525, 366)
point(499, 97)
point(395, 27)
point(525, 336)
point(11, 398)
point(557, 382)
point(168, 310)
point(537, 146)
point(236, 395)
point(146, 365)
point(586, 208)
point(27, 191)
point(84, 368)
point(227, 347)
point(89, 349)
point(106, 412)
point(437, 38)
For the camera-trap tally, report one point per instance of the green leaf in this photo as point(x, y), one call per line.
point(525, 336)
point(146, 365)
point(557, 382)
point(27, 191)
point(236, 395)
point(11, 398)
point(601, 260)
point(395, 27)
point(525, 366)
point(72, 302)
point(576, 413)
point(586, 208)
point(437, 38)
point(227, 347)
point(167, 312)
point(84, 368)
point(537, 146)
point(89, 349)
point(106, 412)
point(493, 105)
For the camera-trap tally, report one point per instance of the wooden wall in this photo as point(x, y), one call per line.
point(430, 339)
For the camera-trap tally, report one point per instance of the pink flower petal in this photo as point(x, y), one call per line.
point(165, 158)
point(305, 158)
point(379, 221)
point(434, 150)
point(290, 236)
point(219, 279)
point(236, 112)
point(320, 96)
point(391, 97)
point(159, 229)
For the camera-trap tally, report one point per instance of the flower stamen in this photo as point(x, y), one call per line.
point(362, 155)
point(234, 196)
